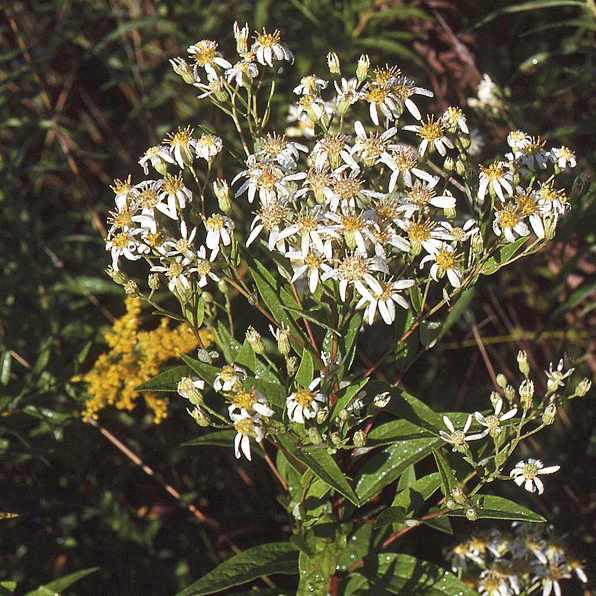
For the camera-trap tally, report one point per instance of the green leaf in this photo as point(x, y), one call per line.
point(447, 477)
point(395, 431)
point(404, 574)
point(348, 339)
point(309, 316)
point(416, 298)
point(228, 344)
point(502, 257)
point(7, 588)
point(167, 380)
point(387, 465)
point(492, 507)
point(305, 373)
point(459, 308)
point(221, 438)
point(323, 465)
point(409, 501)
point(246, 357)
point(205, 371)
point(430, 331)
point(266, 559)
point(61, 583)
point(345, 396)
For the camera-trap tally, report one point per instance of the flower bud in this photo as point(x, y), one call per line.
point(333, 63)
point(584, 386)
point(201, 418)
point(472, 513)
point(548, 417)
point(132, 289)
point(526, 393)
point(449, 213)
point(501, 381)
point(360, 438)
point(255, 341)
point(550, 226)
point(362, 68)
point(448, 165)
point(522, 363)
point(336, 439)
point(509, 393)
point(241, 37)
point(153, 281)
point(118, 276)
point(495, 398)
point(460, 167)
point(291, 365)
point(222, 192)
point(322, 414)
point(458, 495)
point(315, 436)
point(183, 69)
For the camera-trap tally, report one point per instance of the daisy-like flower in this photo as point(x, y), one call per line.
point(373, 149)
point(190, 388)
point(230, 378)
point(250, 402)
point(356, 270)
point(121, 219)
point(219, 231)
point(159, 158)
point(310, 226)
point(269, 218)
point(551, 576)
point(304, 403)
point(491, 584)
point(528, 206)
point(123, 189)
point(424, 234)
point(405, 160)
point(311, 106)
point(492, 423)
point(496, 177)
point(310, 85)
point(204, 268)
point(454, 119)
point(244, 71)
point(182, 146)
point(285, 153)
point(421, 196)
point(246, 428)
point(267, 48)
point(445, 262)
point(309, 265)
point(551, 200)
point(208, 146)
point(304, 128)
point(205, 55)
point(555, 377)
point(518, 140)
point(124, 244)
point(177, 271)
point(265, 177)
point(563, 157)
point(353, 227)
point(463, 232)
point(382, 99)
point(385, 295)
point(403, 88)
point(182, 245)
point(347, 94)
point(333, 151)
point(461, 555)
point(175, 195)
point(534, 154)
point(458, 438)
point(432, 135)
point(509, 221)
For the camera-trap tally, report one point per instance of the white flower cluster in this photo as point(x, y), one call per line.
point(510, 563)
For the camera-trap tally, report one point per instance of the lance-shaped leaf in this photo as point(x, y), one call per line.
point(266, 559)
point(205, 371)
point(60, 584)
point(492, 507)
point(305, 373)
point(502, 257)
point(167, 380)
point(323, 465)
point(220, 438)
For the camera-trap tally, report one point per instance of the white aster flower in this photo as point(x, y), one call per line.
point(190, 388)
point(244, 71)
point(176, 270)
point(509, 221)
point(250, 402)
point(205, 55)
point(403, 88)
point(551, 200)
point(496, 177)
point(304, 403)
point(310, 85)
point(527, 473)
point(347, 94)
point(491, 584)
point(182, 146)
point(158, 157)
point(454, 119)
point(204, 268)
point(173, 195)
point(432, 137)
point(373, 149)
point(229, 378)
point(444, 261)
point(208, 146)
point(124, 244)
point(492, 423)
point(563, 157)
point(181, 246)
point(219, 231)
point(458, 438)
point(269, 218)
point(556, 377)
point(381, 99)
point(309, 265)
point(247, 428)
point(385, 295)
point(277, 148)
point(268, 48)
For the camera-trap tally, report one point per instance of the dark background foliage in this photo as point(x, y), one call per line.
point(85, 88)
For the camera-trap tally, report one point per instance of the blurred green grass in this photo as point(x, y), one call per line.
point(85, 87)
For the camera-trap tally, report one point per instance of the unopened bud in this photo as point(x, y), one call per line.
point(448, 165)
point(458, 495)
point(282, 335)
point(584, 386)
point(118, 276)
point(362, 68)
point(132, 289)
point(333, 63)
point(344, 415)
point(201, 418)
point(509, 393)
point(222, 192)
point(548, 417)
point(477, 243)
point(526, 393)
point(360, 438)
point(183, 69)
point(382, 399)
point(450, 213)
point(495, 398)
point(153, 281)
point(322, 415)
point(241, 36)
point(460, 167)
point(471, 513)
point(255, 341)
point(291, 365)
point(501, 381)
point(550, 225)
point(522, 363)
point(315, 436)
point(336, 439)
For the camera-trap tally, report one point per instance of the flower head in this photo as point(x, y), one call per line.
point(527, 473)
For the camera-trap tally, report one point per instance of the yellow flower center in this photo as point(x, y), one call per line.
point(203, 267)
point(419, 232)
point(347, 188)
point(431, 131)
point(181, 138)
point(244, 426)
point(205, 52)
point(445, 260)
point(353, 268)
point(376, 95)
point(175, 269)
point(120, 240)
point(215, 222)
point(304, 397)
point(172, 184)
point(154, 240)
point(244, 399)
point(272, 215)
point(509, 217)
point(273, 145)
point(148, 198)
point(268, 39)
